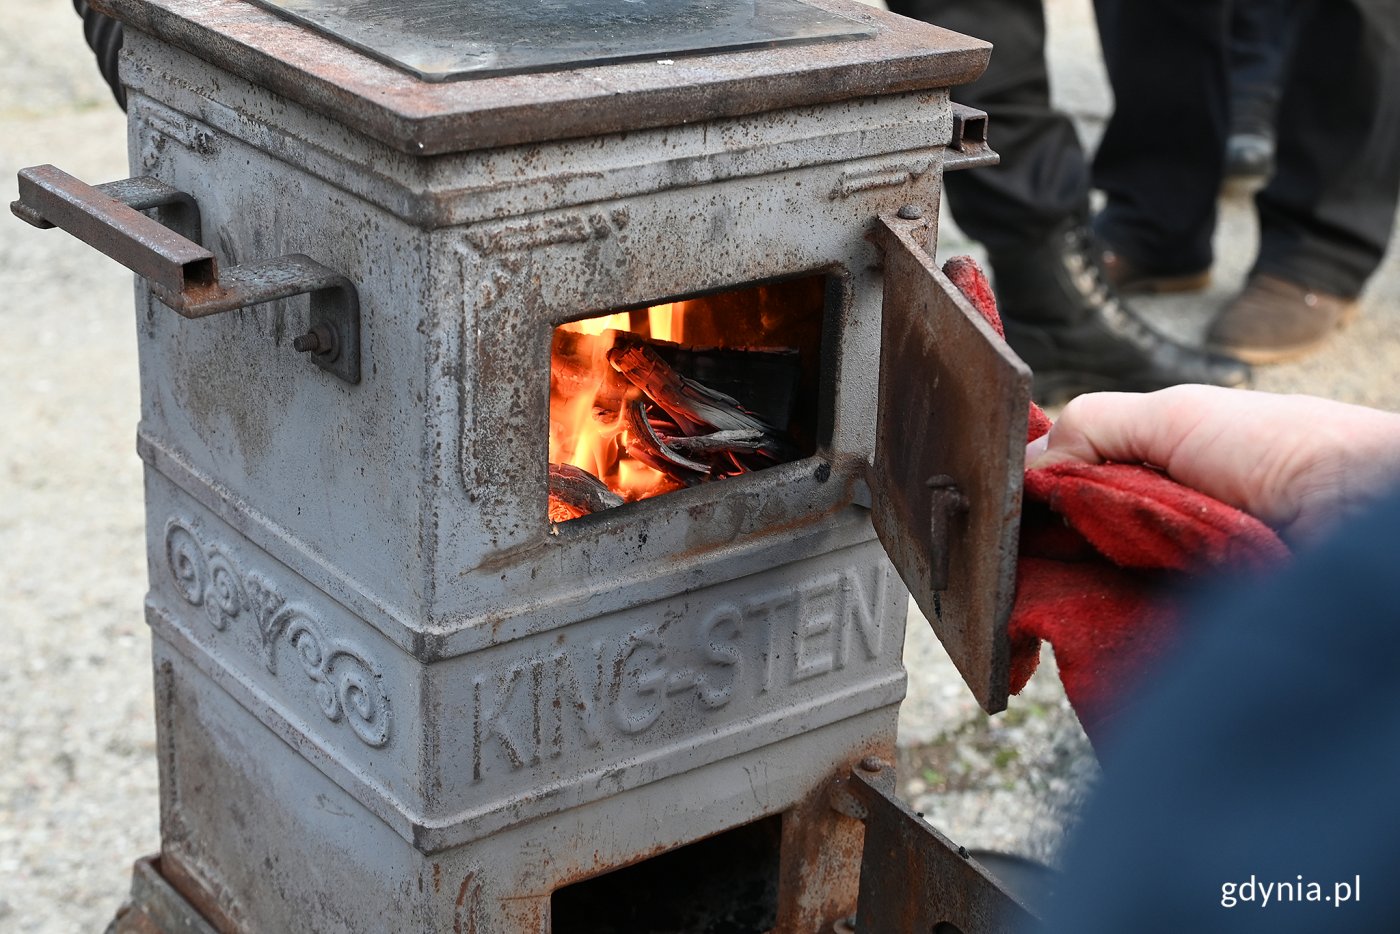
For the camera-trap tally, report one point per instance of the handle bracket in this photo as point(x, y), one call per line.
point(165, 251)
point(968, 148)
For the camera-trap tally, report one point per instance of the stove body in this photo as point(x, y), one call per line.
point(391, 694)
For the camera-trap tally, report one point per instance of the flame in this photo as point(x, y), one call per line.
point(590, 432)
point(594, 407)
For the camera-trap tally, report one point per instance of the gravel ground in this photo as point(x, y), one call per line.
point(78, 786)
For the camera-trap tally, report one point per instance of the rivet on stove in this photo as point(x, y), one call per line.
point(911, 212)
point(871, 764)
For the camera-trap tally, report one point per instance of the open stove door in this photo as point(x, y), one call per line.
point(949, 455)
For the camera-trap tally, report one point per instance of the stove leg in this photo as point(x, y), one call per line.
point(155, 907)
point(820, 869)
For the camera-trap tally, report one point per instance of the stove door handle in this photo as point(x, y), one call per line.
point(181, 273)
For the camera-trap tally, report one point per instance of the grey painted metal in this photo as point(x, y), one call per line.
point(183, 274)
point(390, 692)
point(472, 305)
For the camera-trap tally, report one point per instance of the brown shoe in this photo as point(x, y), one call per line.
point(1130, 279)
point(1274, 320)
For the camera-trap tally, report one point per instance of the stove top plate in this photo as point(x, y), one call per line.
point(444, 40)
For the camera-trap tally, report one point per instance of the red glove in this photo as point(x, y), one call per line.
point(1103, 549)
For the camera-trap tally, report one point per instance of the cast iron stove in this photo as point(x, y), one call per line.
point(531, 574)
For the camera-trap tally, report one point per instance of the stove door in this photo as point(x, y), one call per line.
point(949, 455)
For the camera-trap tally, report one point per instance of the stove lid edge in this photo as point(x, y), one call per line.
point(435, 118)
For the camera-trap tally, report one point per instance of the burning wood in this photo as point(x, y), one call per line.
point(643, 417)
point(736, 441)
point(695, 408)
point(646, 446)
point(579, 368)
point(575, 492)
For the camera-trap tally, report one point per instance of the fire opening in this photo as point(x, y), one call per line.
point(647, 401)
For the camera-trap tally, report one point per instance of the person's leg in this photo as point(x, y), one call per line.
point(1161, 160)
point(1042, 179)
point(1259, 31)
point(1031, 212)
point(1326, 217)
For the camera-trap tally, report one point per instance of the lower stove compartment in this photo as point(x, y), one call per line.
point(259, 839)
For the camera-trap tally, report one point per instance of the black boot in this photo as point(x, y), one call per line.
point(1064, 319)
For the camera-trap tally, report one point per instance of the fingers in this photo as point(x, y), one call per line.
point(1035, 449)
point(1296, 462)
point(1128, 428)
point(1228, 443)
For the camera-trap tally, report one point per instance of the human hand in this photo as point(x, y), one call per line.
point(1298, 463)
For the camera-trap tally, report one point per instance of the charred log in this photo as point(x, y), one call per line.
point(647, 446)
point(763, 381)
point(579, 491)
point(739, 441)
point(695, 408)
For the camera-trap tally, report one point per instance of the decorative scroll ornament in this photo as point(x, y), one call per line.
point(347, 686)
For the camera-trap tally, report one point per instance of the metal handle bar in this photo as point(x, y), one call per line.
point(183, 274)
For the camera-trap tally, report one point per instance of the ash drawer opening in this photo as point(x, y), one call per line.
point(725, 884)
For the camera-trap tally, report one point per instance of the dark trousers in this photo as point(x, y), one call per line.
point(1043, 178)
point(1325, 217)
point(1258, 44)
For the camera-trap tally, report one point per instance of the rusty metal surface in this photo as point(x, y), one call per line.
point(947, 504)
point(969, 147)
point(821, 855)
point(953, 404)
point(175, 209)
point(155, 907)
point(914, 879)
point(431, 118)
point(144, 245)
point(182, 273)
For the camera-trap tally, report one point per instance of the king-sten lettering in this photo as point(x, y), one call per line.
point(678, 671)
